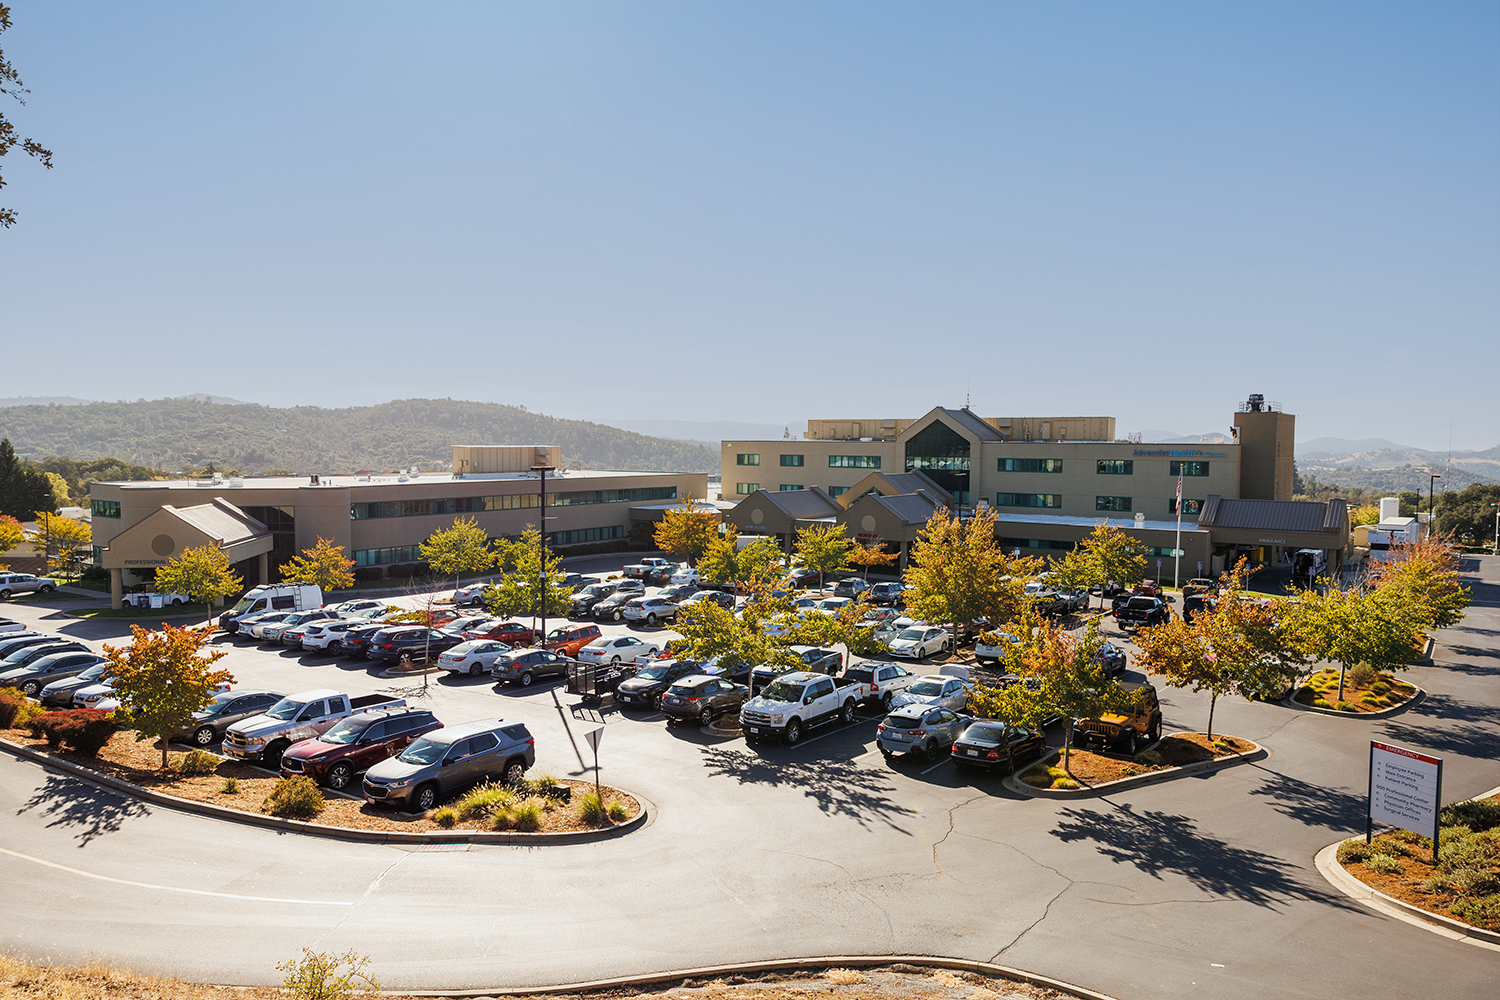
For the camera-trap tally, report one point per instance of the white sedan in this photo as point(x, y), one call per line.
point(939, 690)
point(474, 657)
point(685, 575)
point(618, 649)
point(920, 642)
point(991, 646)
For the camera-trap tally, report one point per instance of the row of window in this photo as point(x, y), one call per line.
point(1028, 499)
point(1035, 543)
point(104, 508)
point(1028, 465)
point(956, 463)
point(384, 557)
point(1104, 467)
point(797, 461)
point(1164, 553)
point(1190, 508)
point(579, 536)
point(509, 501)
point(745, 489)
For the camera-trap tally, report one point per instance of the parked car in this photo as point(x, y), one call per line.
point(513, 634)
point(1196, 604)
point(59, 693)
point(472, 594)
point(473, 657)
point(647, 565)
point(356, 744)
point(944, 690)
point(702, 699)
point(289, 630)
point(1129, 731)
point(652, 681)
point(920, 642)
point(651, 610)
point(408, 643)
point(226, 708)
point(921, 730)
point(851, 587)
point(678, 592)
point(11, 625)
point(356, 642)
point(1074, 601)
point(887, 595)
point(12, 641)
point(1141, 612)
point(815, 659)
point(463, 623)
point(686, 574)
point(12, 584)
point(265, 737)
point(255, 626)
point(145, 596)
point(361, 605)
point(992, 646)
point(612, 608)
point(569, 639)
point(1199, 585)
point(659, 577)
point(1148, 588)
point(793, 703)
point(802, 577)
point(879, 682)
point(572, 581)
point(274, 597)
point(719, 597)
point(449, 760)
point(618, 649)
point(46, 669)
point(26, 655)
point(831, 606)
point(585, 598)
point(524, 666)
point(1113, 658)
point(992, 744)
point(330, 635)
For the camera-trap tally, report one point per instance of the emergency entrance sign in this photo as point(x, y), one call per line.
point(1406, 790)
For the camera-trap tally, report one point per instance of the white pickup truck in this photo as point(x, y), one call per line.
point(648, 565)
point(793, 703)
point(295, 718)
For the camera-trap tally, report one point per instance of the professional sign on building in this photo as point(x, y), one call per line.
point(1406, 791)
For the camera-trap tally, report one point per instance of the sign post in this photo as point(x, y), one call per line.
point(594, 736)
point(1406, 791)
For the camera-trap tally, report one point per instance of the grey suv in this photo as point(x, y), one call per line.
point(448, 760)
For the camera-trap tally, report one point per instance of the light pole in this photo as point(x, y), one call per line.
point(1431, 479)
point(541, 593)
point(1496, 550)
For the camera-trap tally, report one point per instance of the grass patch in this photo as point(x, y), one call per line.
point(444, 817)
point(231, 786)
point(196, 762)
point(485, 801)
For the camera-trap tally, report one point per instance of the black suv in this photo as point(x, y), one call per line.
point(651, 682)
point(585, 599)
point(227, 708)
point(408, 643)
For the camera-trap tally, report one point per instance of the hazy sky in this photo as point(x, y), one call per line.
point(767, 212)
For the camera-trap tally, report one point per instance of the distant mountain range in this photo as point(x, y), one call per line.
point(175, 434)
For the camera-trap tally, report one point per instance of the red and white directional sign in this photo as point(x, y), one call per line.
point(1406, 788)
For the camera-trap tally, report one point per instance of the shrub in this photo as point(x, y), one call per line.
point(619, 812)
point(316, 976)
point(846, 977)
point(231, 786)
point(1383, 863)
point(1353, 851)
point(1474, 882)
point(1477, 814)
point(484, 801)
point(12, 704)
point(1380, 687)
point(500, 819)
point(85, 730)
point(1151, 757)
point(445, 817)
point(590, 809)
point(1064, 783)
point(1322, 703)
point(1037, 779)
point(549, 786)
point(368, 574)
point(1345, 706)
point(196, 762)
point(1363, 675)
point(1438, 883)
point(1369, 699)
point(527, 814)
point(1482, 912)
point(294, 798)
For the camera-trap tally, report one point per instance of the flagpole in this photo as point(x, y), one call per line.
point(1177, 549)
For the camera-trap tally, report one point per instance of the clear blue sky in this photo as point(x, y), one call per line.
point(767, 212)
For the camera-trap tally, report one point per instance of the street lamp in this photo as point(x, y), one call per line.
point(1431, 479)
point(541, 592)
point(1496, 550)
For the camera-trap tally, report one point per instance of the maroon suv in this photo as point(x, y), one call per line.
point(356, 744)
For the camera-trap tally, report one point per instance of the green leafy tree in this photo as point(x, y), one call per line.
point(1352, 626)
point(725, 561)
point(516, 592)
point(25, 490)
point(709, 631)
point(1468, 514)
point(1074, 571)
point(11, 533)
point(203, 573)
point(462, 548)
point(1113, 556)
point(323, 564)
point(1364, 514)
point(824, 548)
point(62, 539)
point(10, 84)
point(162, 679)
point(687, 530)
point(960, 573)
point(59, 489)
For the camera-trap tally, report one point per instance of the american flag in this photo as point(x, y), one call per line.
point(1179, 490)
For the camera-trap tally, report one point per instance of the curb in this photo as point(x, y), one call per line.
point(514, 838)
point(1384, 713)
point(783, 965)
point(1014, 784)
point(1328, 866)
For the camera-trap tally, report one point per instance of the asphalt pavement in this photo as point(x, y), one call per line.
point(765, 851)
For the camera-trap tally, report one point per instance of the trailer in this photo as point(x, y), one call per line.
point(592, 681)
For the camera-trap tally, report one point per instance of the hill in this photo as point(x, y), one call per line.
point(175, 434)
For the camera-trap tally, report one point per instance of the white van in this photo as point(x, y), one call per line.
point(278, 597)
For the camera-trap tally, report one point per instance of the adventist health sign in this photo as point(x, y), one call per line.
point(1406, 791)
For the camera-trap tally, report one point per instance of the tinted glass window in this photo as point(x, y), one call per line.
point(281, 603)
point(483, 742)
point(457, 750)
point(517, 733)
point(376, 731)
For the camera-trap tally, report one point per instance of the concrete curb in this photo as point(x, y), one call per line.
point(1384, 713)
point(1328, 866)
point(515, 838)
point(1014, 784)
point(782, 965)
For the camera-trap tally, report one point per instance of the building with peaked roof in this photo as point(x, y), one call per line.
point(890, 484)
point(878, 520)
point(165, 533)
point(780, 514)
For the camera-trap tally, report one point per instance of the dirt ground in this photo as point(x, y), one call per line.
point(139, 763)
point(1406, 885)
point(1090, 768)
point(23, 979)
point(1324, 685)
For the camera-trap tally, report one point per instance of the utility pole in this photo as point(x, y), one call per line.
point(541, 593)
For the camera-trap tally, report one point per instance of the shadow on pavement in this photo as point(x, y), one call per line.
point(91, 810)
point(1309, 804)
point(1159, 843)
point(838, 787)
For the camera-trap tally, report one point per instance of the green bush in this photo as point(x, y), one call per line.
point(1380, 688)
point(1437, 883)
point(619, 812)
point(231, 786)
point(445, 817)
point(1353, 851)
point(1322, 703)
point(14, 708)
point(1064, 782)
point(500, 819)
point(317, 976)
point(1363, 675)
point(589, 807)
point(1474, 882)
point(484, 801)
point(294, 798)
point(527, 814)
point(1383, 863)
point(1151, 757)
point(196, 762)
point(1345, 706)
point(1482, 912)
point(1477, 814)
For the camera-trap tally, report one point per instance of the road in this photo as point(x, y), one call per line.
point(1169, 890)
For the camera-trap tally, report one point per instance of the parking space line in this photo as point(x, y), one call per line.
point(936, 766)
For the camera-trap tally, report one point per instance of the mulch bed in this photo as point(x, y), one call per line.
point(139, 763)
point(1359, 698)
point(1089, 768)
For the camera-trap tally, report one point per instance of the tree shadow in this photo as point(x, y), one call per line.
point(1159, 843)
point(1470, 739)
point(1310, 804)
point(837, 787)
point(1462, 667)
point(91, 809)
point(1445, 706)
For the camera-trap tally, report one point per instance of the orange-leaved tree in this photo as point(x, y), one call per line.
point(161, 679)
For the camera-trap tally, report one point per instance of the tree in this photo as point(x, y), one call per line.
point(60, 494)
point(1421, 581)
point(1469, 513)
point(62, 538)
point(824, 548)
point(687, 530)
point(162, 679)
point(725, 561)
point(1232, 647)
point(709, 631)
point(515, 593)
point(1351, 626)
point(871, 555)
point(203, 573)
point(463, 548)
point(1368, 513)
point(960, 574)
point(10, 84)
point(11, 533)
point(1113, 556)
point(24, 489)
point(1061, 674)
point(1074, 571)
point(323, 564)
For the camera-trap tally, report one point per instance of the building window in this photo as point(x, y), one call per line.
point(1167, 553)
point(942, 454)
point(1035, 543)
point(1190, 468)
point(1112, 503)
point(745, 489)
point(1190, 508)
point(98, 554)
point(854, 461)
point(508, 501)
point(581, 536)
point(282, 523)
point(104, 508)
point(791, 461)
point(746, 458)
point(790, 487)
point(512, 501)
point(837, 491)
point(1028, 465)
point(1028, 499)
point(1116, 467)
point(384, 557)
